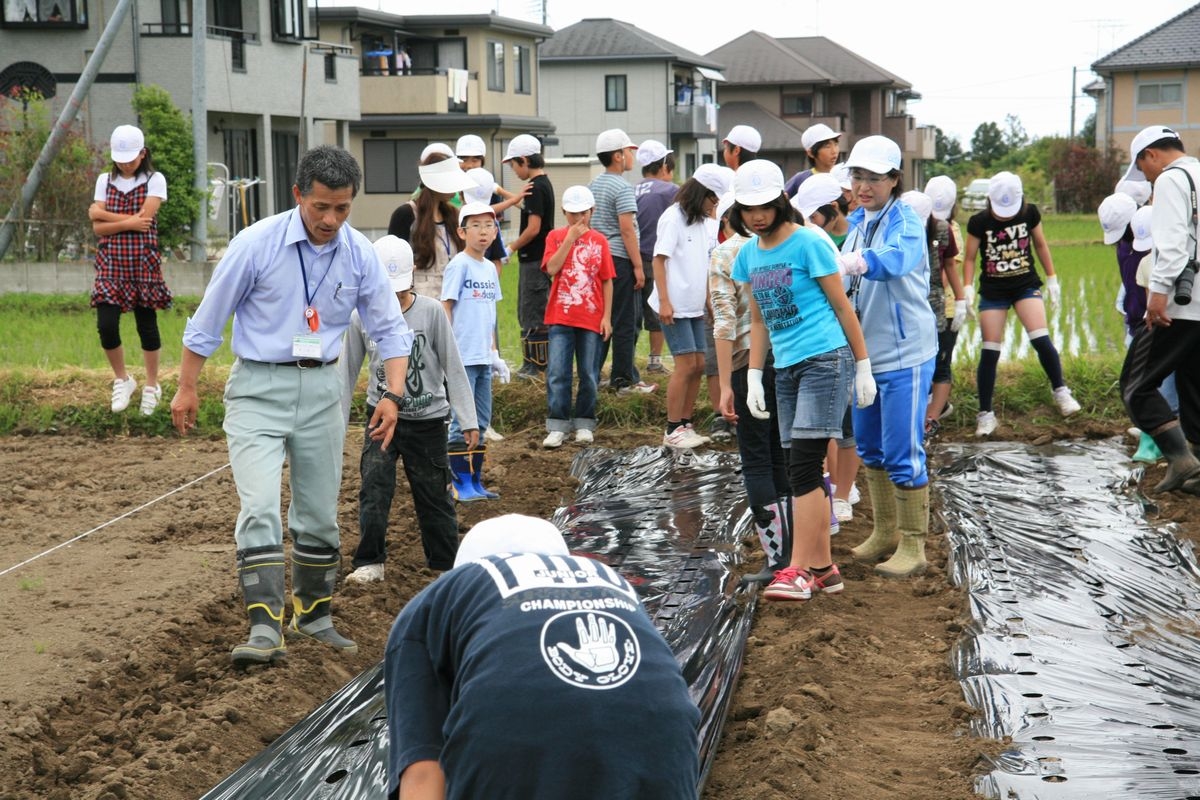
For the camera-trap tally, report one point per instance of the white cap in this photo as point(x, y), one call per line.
point(511, 533)
point(445, 176)
point(943, 193)
point(819, 189)
point(485, 186)
point(918, 202)
point(612, 140)
point(578, 199)
point(474, 210)
point(745, 137)
point(1116, 212)
point(1143, 241)
point(815, 134)
point(757, 182)
point(127, 143)
point(523, 145)
point(841, 173)
point(714, 178)
point(1145, 138)
point(397, 258)
point(1140, 191)
point(650, 151)
point(725, 203)
point(470, 145)
point(1005, 194)
point(435, 147)
point(877, 154)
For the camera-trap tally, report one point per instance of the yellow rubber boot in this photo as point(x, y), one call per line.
point(913, 515)
point(886, 534)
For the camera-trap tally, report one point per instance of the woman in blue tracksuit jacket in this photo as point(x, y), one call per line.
point(885, 261)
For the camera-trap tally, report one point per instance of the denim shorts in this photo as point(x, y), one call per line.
point(1005, 303)
point(685, 336)
point(811, 396)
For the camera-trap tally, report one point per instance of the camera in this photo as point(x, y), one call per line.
point(1183, 284)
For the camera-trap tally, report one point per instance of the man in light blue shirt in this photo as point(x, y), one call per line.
point(290, 281)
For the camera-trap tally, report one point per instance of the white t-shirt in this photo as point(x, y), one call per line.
point(687, 249)
point(157, 188)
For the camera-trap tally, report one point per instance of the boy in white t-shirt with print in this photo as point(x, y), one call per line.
point(470, 291)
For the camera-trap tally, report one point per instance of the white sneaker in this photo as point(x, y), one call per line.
point(492, 435)
point(684, 438)
point(985, 423)
point(122, 393)
point(368, 573)
point(583, 436)
point(1067, 404)
point(854, 494)
point(843, 510)
point(150, 397)
point(700, 438)
point(554, 439)
point(641, 387)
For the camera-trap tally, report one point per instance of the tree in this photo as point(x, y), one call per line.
point(1088, 132)
point(1083, 176)
point(987, 144)
point(948, 150)
point(1014, 133)
point(169, 139)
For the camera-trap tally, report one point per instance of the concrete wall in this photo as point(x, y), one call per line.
point(573, 97)
point(20, 277)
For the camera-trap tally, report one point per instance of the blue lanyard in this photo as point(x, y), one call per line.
point(308, 298)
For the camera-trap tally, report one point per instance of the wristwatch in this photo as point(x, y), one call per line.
point(395, 398)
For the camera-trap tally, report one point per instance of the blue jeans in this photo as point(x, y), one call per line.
point(422, 445)
point(891, 431)
point(685, 335)
point(479, 378)
point(626, 318)
point(811, 396)
point(578, 346)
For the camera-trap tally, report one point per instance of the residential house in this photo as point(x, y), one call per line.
point(783, 86)
point(434, 78)
point(265, 78)
point(604, 73)
point(1152, 80)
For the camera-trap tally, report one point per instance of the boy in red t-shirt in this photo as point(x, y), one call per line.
point(578, 314)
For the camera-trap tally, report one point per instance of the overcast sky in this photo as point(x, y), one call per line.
point(972, 63)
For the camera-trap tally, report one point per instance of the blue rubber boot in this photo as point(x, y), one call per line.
point(1147, 452)
point(477, 476)
point(464, 487)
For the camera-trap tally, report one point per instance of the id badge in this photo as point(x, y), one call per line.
point(306, 345)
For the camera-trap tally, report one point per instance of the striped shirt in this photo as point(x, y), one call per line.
point(614, 197)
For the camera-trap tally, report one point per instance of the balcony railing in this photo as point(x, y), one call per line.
point(692, 119)
point(420, 91)
point(237, 44)
point(166, 29)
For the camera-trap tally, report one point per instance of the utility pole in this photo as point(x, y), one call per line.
point(1074, 70)
point(200, 129)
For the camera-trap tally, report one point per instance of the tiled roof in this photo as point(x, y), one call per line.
point(837, 60)
point(596, 39)
point(758, 58)
point(1175, 43)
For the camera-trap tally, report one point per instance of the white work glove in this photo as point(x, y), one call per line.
point(851, 263)
point(1053, 290)
point(864, 383)
point(969, 294)
point(960, 315)
point(500, 369)
point(756, 398)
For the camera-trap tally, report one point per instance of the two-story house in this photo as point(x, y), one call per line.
point(434, 78)
point(782, 86)
point(604, 73)
point(269, 86)
point(1153, 80)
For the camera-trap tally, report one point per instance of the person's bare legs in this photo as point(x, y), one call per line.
point(810, 535)
point(150, 357)
point(116, 360)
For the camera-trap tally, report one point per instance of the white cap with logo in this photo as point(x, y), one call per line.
point(485, 185)
point(1140, 191)
point(918, 202)
point(510, 533)
point(470, 145)
point(126, 143)
point(396, 255)
point(523, 145)
point(757, 182)
point(815, 134)
point(1006, 194)
point(715, 178)
point(943, 193)
point(650, 151)
point(1116, 212)
point(1145, 138)
point(818, 190)
point(877, 154)
point(1143, 241)
point(577, 199)
point(745, 137)
point(474, 210)
point(612, 140)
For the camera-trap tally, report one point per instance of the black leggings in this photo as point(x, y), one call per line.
point(108, 322)
point(806, 458)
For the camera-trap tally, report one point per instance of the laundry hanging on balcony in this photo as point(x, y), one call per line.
point(456, 82)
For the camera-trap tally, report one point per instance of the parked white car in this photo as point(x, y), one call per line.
point(975, 196)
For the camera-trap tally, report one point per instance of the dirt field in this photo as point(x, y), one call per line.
point(116, 680)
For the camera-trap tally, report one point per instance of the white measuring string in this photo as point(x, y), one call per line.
point(103, 525)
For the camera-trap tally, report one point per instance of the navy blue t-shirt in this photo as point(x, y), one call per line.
point(533, 677)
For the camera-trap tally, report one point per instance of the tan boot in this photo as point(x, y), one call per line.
point(885, 535)
point(913, 515)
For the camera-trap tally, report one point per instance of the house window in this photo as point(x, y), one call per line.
point(43, 14)
point(614, 93)
point(331, 67)
point(797, 105)
point(293, 19)
point(495, 51)
point(390, 165)
point(176, 18)
point(522, 70)
point(1160, 94)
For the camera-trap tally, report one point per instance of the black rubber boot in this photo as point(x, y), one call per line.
point(773, 525)
point(314, 574)
point(1183, 468)
point(261, 574)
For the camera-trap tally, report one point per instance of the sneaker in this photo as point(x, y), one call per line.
point(843, 510)
point(150, 397)
point(683, 438)
point(492, 435)
point(985, 423)
point(583, 436)
point(123, 393)
point(554, 439)
point(855, 496)
point(790, 583)
point(1067, 404)
point(367, 573)
point(700, 438)
point(719, 430)
point(641, 387)
point(656, 368)
point(829, 582)
point(947, 410)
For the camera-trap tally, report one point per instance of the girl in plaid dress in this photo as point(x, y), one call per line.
point(128, 263)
